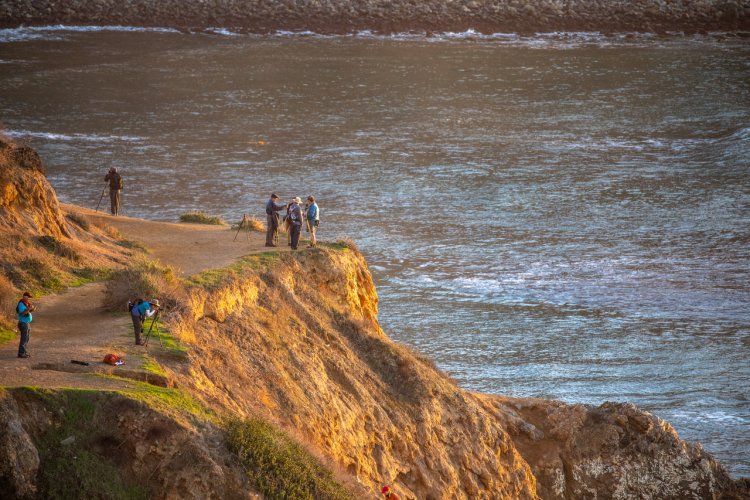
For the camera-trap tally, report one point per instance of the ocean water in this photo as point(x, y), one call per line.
point(565, 215)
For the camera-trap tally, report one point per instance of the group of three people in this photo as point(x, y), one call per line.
point(296, 216)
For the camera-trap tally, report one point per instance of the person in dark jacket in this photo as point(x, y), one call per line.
point(23, 313)
point(272, 221)
point(115, 186)
point(295, 221)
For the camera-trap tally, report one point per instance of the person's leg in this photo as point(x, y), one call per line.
point(117, 202)
point(137, 327)
point(24, 341)
point(270, 230)
point(295, 235)
point(112, 201)
point(313, 241)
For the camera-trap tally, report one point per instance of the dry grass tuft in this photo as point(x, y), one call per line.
point(79, 220)
point(59, 248)
point(348, 243)
point(201, 218)
point(251, 223)
point(8, 296)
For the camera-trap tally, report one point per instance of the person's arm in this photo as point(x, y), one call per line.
point(278, 208)
point(106, 178)
point(150, 312)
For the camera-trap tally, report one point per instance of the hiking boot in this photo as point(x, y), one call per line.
point(24, 355)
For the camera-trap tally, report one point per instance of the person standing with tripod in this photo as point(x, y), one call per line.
point(115, 186)
point(141, 310)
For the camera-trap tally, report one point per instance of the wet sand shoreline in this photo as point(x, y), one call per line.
point(385, 17)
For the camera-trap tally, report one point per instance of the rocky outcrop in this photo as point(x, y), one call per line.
point(19, 460)
point(611, 451)
point(50, 441)
point(346, 16)
point(27, 200)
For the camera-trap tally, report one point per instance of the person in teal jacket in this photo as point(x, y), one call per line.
point(139, 313)
point(23, 313)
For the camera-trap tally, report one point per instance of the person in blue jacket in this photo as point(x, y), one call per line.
point(313, 219)
point(139, 313)
point(23, 313)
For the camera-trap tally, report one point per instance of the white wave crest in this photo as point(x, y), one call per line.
point(55, 137)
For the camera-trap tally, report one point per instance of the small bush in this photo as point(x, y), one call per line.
point(200, 218)
point(348, 243)
point(279, 467)
point(144, 279)
point(112, 232)
point(41, 274)
point(8, 297)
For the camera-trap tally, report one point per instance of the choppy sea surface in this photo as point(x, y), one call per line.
point(565, 215)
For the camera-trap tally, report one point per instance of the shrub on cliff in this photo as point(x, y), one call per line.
point(144, 279)
point(277, 466)
point(201, 218)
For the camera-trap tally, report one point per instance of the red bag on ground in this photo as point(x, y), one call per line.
point(113, 359)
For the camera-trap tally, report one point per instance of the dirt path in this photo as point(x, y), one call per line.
point(75, 326)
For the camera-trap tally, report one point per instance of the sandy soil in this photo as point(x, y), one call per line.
point(75, 326)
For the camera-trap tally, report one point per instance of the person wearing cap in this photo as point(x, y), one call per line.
point(115, 185)
point(23, 313)
point(295, 220)
point(139, 313)
point(272, 220)
point(312, 216)
point(388, 493)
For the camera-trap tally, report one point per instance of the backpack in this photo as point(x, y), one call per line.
point(113, 359)
point(18, 310)
point(133, 303)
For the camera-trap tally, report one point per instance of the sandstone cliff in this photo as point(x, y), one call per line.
point(346, 16)
point(292, 341)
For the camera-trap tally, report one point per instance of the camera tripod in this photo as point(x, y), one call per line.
point(154, 327)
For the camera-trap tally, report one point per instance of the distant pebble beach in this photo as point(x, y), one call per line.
point(387, 17)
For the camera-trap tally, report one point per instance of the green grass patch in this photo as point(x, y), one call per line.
point(255, 262)
point(150, 365)
point(161, 335)
point(6, 336)
point(201, 218)
point(88, 275)
point(70, 466)
point(278, 466)
point(166, 399)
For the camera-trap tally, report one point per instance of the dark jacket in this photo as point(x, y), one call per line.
point(272, 208)
point(295, 214)
point(115, 181)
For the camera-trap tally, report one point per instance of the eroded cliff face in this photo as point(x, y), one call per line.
point(298, 342)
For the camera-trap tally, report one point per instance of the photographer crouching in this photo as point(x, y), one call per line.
point(139, 311)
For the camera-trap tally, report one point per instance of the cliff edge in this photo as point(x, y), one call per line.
point(275, 377)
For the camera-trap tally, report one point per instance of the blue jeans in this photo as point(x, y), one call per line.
point(23, 327)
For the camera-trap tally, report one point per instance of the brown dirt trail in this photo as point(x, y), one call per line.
point(74, 325)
